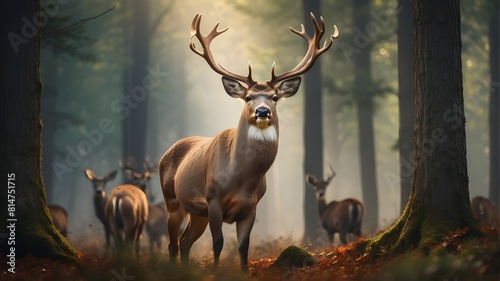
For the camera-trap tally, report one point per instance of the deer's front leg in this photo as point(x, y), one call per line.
point(243, 229)
point(215, 220)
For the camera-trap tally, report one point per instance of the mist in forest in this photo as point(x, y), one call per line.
point(85, 105)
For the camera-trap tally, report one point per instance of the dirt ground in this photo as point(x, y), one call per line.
point(462, 260)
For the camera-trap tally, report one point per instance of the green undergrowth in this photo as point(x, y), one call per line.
point(452, 260)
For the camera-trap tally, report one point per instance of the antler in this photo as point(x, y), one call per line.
point(207, 54)
point(313, 50)
point(332, 175)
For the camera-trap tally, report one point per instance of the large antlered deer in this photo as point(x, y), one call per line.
point(344, 216)
point(221, 179)
point(100, 198)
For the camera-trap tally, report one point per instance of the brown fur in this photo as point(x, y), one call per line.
point(100, 198)
point(156, 225)
point(126, 211)
point(485, 211)
point(343, 217)
point(60, 218)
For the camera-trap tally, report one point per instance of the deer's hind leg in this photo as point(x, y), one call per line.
point(174, 221)
point(194, 229)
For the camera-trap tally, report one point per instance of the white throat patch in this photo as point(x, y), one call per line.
point(267, 134)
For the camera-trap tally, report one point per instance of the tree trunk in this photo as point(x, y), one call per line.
point(406, 97)
point(25, 210)
point(494, 110)
point(136, 124)
point(50, 120)
point(364, 99)
point(439, 198)
point(313, 131)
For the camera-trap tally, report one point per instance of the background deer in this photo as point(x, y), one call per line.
point(344, 216)
point(485, 212)
point(126, 211)
point(100, 198)
point(132, 176)
point(60, 218)
point(221, 179)
point(156, 225)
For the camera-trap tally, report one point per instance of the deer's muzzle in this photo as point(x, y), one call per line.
point(262, 116)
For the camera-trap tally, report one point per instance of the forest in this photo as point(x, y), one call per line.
point(384, 163)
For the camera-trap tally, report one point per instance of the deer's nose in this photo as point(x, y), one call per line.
point(262, 112)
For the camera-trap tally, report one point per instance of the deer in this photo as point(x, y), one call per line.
point(485, 212)
point(133, 177)
point(221, 179)
point(126, 210)
point(59, 218)
point(100, 198)
point(156, 225)
point(343, 217)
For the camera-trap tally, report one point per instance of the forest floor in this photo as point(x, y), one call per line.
point(477, 259)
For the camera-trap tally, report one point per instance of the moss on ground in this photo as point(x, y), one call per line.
point(294, 256)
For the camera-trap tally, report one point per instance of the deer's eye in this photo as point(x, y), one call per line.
point(248, 98)
point(275, 98)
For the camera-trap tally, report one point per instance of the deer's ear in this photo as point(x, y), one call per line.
point(288, 87)
point(233, 87)
point(311, 179)
point(90, 175)
point(111, 176)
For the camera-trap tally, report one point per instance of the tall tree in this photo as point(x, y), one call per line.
point(406, 97)
point(439, 198)
point(21, 136)
point(313, 130)
point(494, 109)
point(363, 94)
point(135, 124)
point(138, 77)
point(50, 120)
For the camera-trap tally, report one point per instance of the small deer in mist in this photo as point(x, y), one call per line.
point(59, 218)
point(126, 210)
point(132, 176)
point(156, 225)
point(100, 198)
point(344, 216)
point(221, 179)
point(486, 213)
